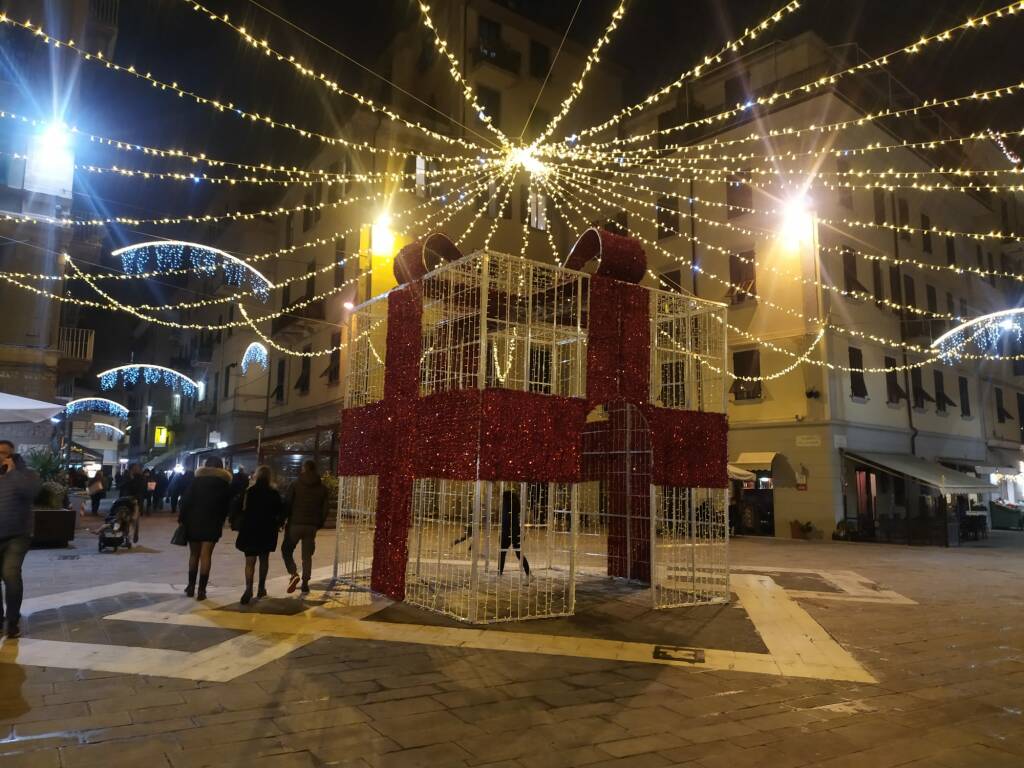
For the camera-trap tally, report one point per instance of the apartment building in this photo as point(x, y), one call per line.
point(42, 347)
point(288, 411)
point(885, 456)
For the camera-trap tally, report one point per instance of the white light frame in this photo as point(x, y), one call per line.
point(977, 321)
point(197, 246)
point(119, 368)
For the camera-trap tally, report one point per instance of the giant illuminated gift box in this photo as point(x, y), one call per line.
point(598, 401)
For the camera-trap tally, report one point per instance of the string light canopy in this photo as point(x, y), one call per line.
point(987, 331)
point(255, 353)
point(96, 405)
point(203, 259)
point(151, 374)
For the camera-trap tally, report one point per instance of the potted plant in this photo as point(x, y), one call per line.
point(53, 520)
point(798, 530)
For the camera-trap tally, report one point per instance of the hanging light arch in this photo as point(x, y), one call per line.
point(171, 254)
point(97, 405)
point(150, 374)
point(255, 353)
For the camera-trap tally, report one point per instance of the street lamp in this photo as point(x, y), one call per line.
point(382, 237)
point(797, 227)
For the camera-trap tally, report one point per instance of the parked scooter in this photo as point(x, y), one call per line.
point(117, 527)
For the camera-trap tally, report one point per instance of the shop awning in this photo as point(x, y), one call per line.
point(1002, 461)
point(929, 472)
point(755, 460)
point(163, 461)
point(14, 408)
point(737, 473)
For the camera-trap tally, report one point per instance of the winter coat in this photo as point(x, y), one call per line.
point(134, 485)
point(306, 501)
point(18, 487)
point(204, 506)
point(259, 517)
point(239, 482)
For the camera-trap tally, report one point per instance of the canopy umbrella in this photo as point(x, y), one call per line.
point(16, 408)
point(738, 473)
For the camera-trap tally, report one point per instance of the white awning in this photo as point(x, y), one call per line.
point(736, 473)
point(14, 408)
point(929, 472)
point(754, 460)
point(1001, 461)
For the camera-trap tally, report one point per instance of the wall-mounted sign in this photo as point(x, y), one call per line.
point(160, 437)
point(808, 441)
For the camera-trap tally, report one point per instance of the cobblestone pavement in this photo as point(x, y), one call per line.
point(854, 655)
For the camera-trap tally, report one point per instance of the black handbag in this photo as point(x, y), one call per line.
point(178, 537)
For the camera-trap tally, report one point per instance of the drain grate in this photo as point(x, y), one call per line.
point(67, 557)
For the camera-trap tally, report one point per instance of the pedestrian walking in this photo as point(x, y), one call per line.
point(306, 509)
point(97, 490)
point(204, 507)
point(133, 486)
point(180, 483)
point(239, 481)
point(510, 531)
point(150, 483)
point(18, 487)
point(257, 515)
point(161, 490)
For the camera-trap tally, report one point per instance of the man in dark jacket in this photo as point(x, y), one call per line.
point(239, 482)
point(134, 486)
point(18, 487)
point(306, 507)
point(204, 507)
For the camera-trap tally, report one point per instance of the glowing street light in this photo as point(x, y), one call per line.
point(382, 237)
point(797, 227)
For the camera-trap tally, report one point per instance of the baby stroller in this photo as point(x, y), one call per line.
point(116, 529)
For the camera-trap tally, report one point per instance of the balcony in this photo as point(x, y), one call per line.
point(75, 345)
point(502, 61)
point(923, 330)
point(299, 320)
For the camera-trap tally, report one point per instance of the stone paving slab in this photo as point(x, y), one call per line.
point(948, 690)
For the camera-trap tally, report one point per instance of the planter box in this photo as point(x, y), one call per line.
point(53, 527)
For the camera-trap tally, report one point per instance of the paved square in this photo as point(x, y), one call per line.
point(830, 654)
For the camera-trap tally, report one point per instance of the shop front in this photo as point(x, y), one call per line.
point(753, 494)
point(904, 499)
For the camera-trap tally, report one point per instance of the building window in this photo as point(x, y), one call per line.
point(909, 293)
point(340, 263)
point(227, 381)
point(746, 363)
point(333, 369)
point(667, 211)
point(490, 100)
point(965, 398)
point(850, 281)
point(231, 319)
point(214, 391)
point(489, 33)
point(338, 183)
point(893, 391)
point(894, 288)
point(951, 250)
point(991, 269)
point(932, 298)
point(920, 394)
point(739, 195)
point(941, 398)
point(742, 277)
point(858, 387)
point(302, 382)
point(879, 284)
point(1002, 415)
point(289, 230)
point(926, 233)
point(540, 60)
point(904, 217)
point(950, 305)
point(537, 209)
point(279, 383)
point(736, 90)
point(844, 192)
point(309, 206)
point(310, 280)
point(672, 280)
point(963, 308)
point(879, 206)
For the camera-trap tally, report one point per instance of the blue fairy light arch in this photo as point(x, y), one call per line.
point(255, 353)
point(96, 405)
point(167, 255)
point(150, 374)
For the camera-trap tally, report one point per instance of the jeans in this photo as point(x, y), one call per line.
point(12, 555)
point(292, 536)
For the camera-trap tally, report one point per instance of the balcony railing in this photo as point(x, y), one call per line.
point(499, 55)
point(75, 343)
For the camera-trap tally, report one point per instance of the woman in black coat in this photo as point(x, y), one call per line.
point(257, 515)
point(204, 508)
